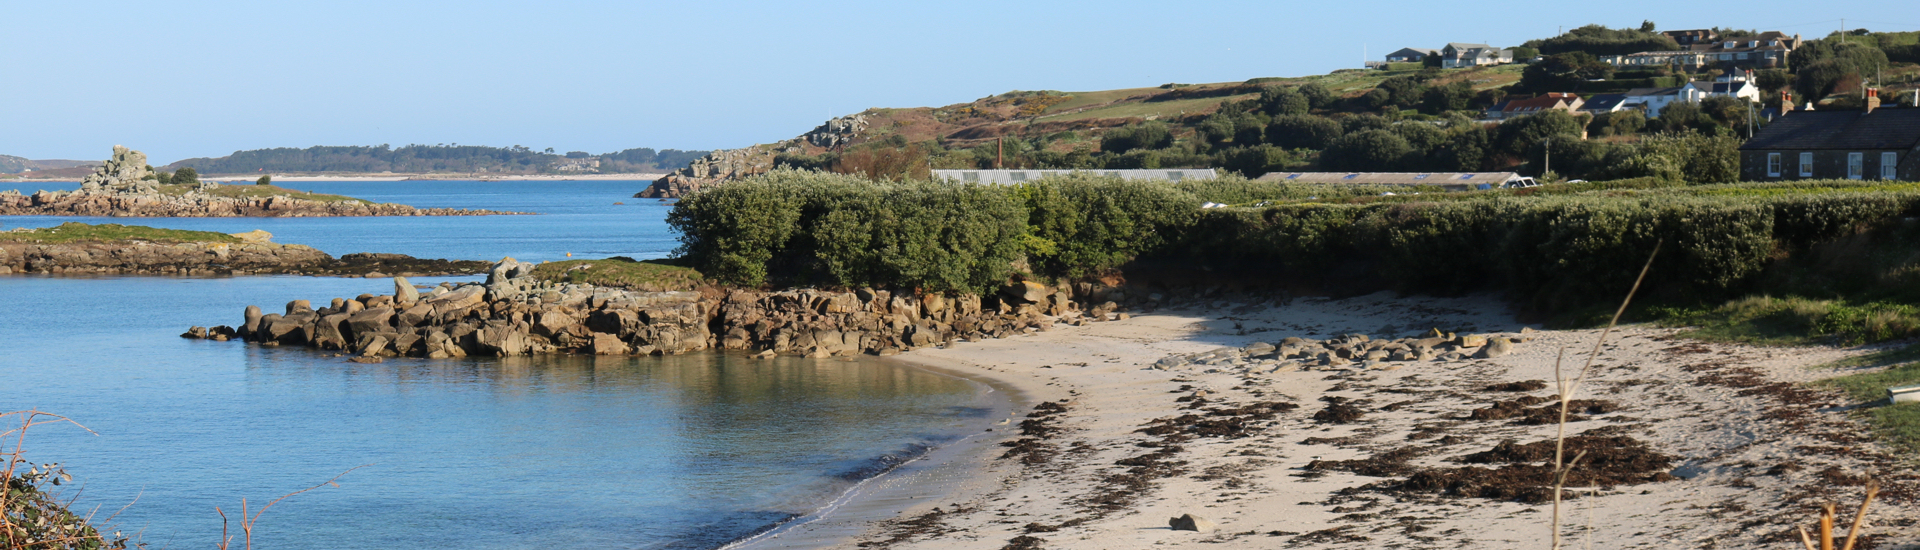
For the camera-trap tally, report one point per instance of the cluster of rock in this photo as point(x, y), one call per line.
point(837, 132)
point(716, 167)
point(515, 313)
point(1353, 351)
point(126, 172)
point(126, 186)
point(255, 254)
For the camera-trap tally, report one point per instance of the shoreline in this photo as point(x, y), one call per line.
point(936, 475)
point(1271, 487)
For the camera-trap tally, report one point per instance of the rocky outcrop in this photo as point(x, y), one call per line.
point(837, 132)
point(126, 187)
point(255, 255)
point(716, 167)
point(514, 313)
point(126, 172)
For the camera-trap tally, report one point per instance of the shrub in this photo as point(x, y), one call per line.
point(1302, 131)
point(264, 180)
point(1146, 135)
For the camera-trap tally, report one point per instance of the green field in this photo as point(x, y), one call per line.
point(617, 272)
point(77, 232)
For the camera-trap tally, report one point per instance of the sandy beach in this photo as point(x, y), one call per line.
point(1732, 451)
point(280, 178)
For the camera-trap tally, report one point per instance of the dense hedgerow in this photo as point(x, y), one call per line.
point(1557, 248)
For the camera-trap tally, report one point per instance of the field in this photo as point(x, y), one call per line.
point(76, 232)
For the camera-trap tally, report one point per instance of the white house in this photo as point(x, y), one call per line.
point(1652, 100)
point(1460, 55)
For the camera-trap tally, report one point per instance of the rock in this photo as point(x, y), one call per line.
point(404, 292)
point(327, 333)
point(299, 305)
point(255, 237)
point(197, 333)
point(366, 360)
point(1259, 348)
point(1470, 341)
point(608, 344)
point(1496, 347)
point(1190, 522)
point(1026, 292)
point(368, 321)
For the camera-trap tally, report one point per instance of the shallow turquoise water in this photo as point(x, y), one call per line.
point(680, 452)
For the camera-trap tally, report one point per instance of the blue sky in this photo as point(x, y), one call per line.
point(189, 79)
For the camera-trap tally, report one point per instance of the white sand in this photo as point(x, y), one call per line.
point(1254, 489)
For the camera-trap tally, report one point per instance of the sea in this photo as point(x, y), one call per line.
point(692, 451)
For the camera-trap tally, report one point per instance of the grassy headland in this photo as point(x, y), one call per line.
point(620, 272)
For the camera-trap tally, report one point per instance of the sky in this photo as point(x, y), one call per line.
point(202, 79)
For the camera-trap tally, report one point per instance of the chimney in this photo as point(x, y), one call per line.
point(1786, 102)
point(1873, 99)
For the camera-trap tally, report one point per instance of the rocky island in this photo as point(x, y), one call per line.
point(126, 186)
point(110, 249)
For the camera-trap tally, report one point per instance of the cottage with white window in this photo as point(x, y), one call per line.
point(1874, 144)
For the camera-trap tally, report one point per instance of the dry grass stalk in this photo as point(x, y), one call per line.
point(1561, 467)
point(29, 517)
point(247, 522)
point(1829, 511)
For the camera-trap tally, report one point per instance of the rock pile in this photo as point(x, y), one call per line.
point(126, 172)
point(1353, 351)
point(515, 313)
point(837, 132)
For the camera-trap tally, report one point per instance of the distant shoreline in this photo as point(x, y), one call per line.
point(401, 177)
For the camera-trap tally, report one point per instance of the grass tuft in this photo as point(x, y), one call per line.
point(1790, 321)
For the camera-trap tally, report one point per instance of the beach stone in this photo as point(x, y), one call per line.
point(1471, 341)
point(1496, 347)
point(1190, 522)
point(1259, 348)
point(404, 292)
point(251, 322)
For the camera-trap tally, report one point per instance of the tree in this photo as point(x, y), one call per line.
point(1147, 135)
point(1371, 150)
point(186, 176)
point(1564, 72)
point(1302, 131)
point(1646, 26)
point(1599, 40)
point(1519, 134)
point(1452, 97)
point(1281, 100)
point(1618, 123)
point(1216, 129)
point(264, 180)
point(1772, 80)
point(1318, 96)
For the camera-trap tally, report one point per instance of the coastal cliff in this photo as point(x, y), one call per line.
point(727, 165)
point(125, 186)
point(81, 249)
point(516, 313)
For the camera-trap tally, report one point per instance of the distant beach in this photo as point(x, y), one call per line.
point(396, 177)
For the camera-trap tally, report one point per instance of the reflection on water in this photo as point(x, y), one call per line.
point(654, 452)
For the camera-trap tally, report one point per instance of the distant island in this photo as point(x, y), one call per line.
point(474, 160)
point(127, 186)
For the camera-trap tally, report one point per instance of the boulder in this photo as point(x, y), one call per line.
point(251, 322)
point(1190, 522)
point(404, 292)
point(327, 333)
point(502, 339)
point(299, 305)
point(1026, 292)
point(608, 344)
point(369, 320)
point(552, 322)
point(1496, 347)
point(414, 316)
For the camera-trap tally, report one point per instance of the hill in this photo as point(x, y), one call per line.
point(15, 165)
point(453, 158)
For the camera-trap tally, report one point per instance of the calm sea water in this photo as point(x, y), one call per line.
point(581, 452)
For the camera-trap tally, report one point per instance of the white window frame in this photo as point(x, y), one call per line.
point(1773, 165)
point(1856, 165)
point(1806, 165)
point(1889, 161)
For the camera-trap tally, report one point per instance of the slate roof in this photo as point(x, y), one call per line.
point(1636, 92)
point(1394, 178)
point(1603, 102)
point(1801, 130)
point(1414, 52)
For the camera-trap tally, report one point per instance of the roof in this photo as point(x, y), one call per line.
point(1417, 51)
point(1892, 128)
point(1394, 178)
point(1727, 87)
point(1604, 102)
point(1545, 101)
point(1642, 92)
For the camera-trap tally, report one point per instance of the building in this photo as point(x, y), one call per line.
point(1004, 177)
point(1554, 101)
point(1685, 60)
point(1601, 104)
point(1876, 144)
point(575, 165)
point(1652, 100)
point(1767, 51)
point(1736, 87)
point(1411, 55)
point(1461, 55)
point(1452, 181)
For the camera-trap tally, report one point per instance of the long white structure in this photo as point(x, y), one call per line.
point(1004, 177)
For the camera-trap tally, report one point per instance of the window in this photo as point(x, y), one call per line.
point(1741, 55)
point(1421, 176)
point(1175, 176)
point(1773, 165)
point(1806, 165)
point(1856, 165)
point(1467, 176)
point(1730, 45)
point(1017, 176)
point(1351, 176)
point(1293, 176)
point(969, 176)
point(1888, 161)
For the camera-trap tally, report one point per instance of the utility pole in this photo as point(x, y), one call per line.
point(999, 151)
